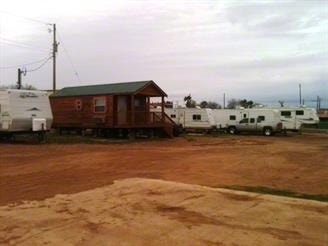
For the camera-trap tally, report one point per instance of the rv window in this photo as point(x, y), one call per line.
point(251, 120)
point(78, 105)
point(232, 117)
point(244, 120)
point(100, 104)
point(299, 112)
point(173, 116)
point(196, 117)
point(286, 113)
point(260, 118)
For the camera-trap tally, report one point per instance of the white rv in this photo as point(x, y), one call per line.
point(192, 119)
point(294, 117)
point(226, 117)
point(266, 121)
point(24, 111)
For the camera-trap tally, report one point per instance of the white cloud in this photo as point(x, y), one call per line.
point(200, 47)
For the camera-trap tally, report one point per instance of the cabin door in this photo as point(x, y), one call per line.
point(122, 110)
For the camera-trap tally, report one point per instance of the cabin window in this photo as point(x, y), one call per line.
point(260, 118)
point(78, 104)
point(251, 120)
point(244, 121)
point(245, 115)
point(232, 117)
point(173, 116)
point(137, 103)
point(299, 112)
point(196, 117)
point(100, 104)
point(286, 113)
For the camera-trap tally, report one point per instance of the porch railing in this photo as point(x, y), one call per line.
point(141, 118)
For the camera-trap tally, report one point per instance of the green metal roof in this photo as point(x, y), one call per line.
point(116, 88)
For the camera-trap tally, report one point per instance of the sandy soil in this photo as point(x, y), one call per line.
point(295, 162)
point(153, 212)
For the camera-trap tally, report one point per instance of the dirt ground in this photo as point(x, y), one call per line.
point(154, 212)
point(294, 162)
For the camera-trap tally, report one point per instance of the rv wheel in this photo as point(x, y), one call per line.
point(267, 131)
point(232, 130)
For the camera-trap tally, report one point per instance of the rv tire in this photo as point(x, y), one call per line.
point(267, 131)
point(232, 130)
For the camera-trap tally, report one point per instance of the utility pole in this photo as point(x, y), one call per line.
point(223, 100)
point(300, 92)
point(54, 51)
point(19, 81)
point(318, 103)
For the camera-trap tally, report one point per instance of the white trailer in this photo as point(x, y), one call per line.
point(266, 121)
point(293, 118)
point(24, 111)
point(226, 117)
point(192, 119)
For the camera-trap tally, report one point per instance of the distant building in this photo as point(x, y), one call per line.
point(323, 114)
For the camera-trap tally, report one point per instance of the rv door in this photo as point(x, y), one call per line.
point(181, 118)
point(5, 122)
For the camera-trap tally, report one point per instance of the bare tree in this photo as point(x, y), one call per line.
point(190, 103)
point(233, 103)
point(203, 104)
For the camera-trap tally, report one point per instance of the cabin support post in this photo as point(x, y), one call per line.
point(132, 110)
point(163, 109)
point(147, 110)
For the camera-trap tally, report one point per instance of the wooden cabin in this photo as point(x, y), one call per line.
point(111, 109)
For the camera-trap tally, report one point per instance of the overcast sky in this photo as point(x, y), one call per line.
point(259, 50)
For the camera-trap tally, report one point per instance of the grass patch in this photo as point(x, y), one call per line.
point(54, 138)
point(71, 139)
point(279, 192)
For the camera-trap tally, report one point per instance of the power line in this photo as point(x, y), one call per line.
point(37, 68)
point(26, 64)
point(69, 58)
point(21, 45)
point(25, 18)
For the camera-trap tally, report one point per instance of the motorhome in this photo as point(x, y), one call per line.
point(293, 118)
point(266, 121)
point(23, 111)
point(192, 119)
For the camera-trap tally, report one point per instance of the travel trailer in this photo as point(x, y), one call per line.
point(293, 118)
point(192, 119)
point(24, 111)
point(266, 121)
point(226, 117)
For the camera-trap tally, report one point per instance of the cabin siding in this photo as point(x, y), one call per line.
point(66, 113)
